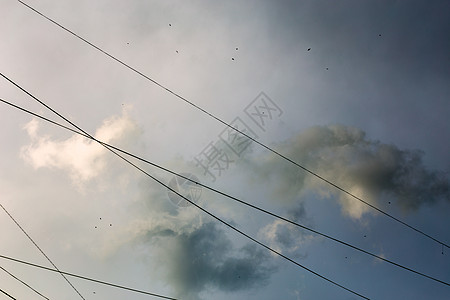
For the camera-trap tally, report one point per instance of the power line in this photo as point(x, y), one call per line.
point(7, 294)
point(193, 203)
point(235, 129)
point(40, 250)
point(86, 278)
point(231, 197)
point(23, 282)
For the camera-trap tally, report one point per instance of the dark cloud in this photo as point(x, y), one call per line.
point(414, 185)
point(370, 169)
point(204, 259)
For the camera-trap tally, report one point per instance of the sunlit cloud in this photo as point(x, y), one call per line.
point(81, 158)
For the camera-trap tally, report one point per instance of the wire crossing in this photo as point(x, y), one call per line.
point(86, 278)
point(235, 129)
point(230, 197)
point(185, 198)
point(40, 250)
point(23, 282)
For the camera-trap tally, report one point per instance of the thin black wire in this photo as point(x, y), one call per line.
point(7, 294)
point(229, 196)
point(40, 250)
point(24, 283)
point(235, 129)
point(172, 190)
point(86, 278)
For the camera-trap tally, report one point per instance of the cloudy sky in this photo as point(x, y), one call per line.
point(356, 91)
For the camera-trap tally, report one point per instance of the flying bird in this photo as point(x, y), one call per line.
point(170, 24)
point(237, 48)
point(232, 58)
point(309, 49)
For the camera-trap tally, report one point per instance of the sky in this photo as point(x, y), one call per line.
point(355, 91)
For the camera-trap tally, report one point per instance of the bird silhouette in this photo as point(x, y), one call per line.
point(309, 49)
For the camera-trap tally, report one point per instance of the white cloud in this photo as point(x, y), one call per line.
point(83, 159)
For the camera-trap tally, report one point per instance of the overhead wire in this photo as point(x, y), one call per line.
point(229, 196)
point(237, 130)
point(7, 294)
point(40, 250)
point(23, 282)
point(234, 228)
point(86, 278)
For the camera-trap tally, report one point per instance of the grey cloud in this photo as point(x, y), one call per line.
point(205, 259)
point(194, 256)
point(370, 169)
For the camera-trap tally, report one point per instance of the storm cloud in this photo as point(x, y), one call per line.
point(205, 259)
